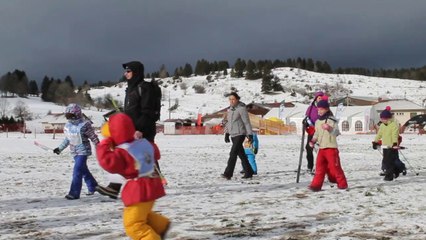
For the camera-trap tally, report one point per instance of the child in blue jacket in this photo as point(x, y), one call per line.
point(251, 148)
point(77, 132)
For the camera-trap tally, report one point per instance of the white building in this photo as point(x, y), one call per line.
point(353, 119)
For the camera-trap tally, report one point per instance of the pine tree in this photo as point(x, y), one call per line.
point(187, 70)
point(239, 67)
point(68, 80)
point(266, 80)
point(250, 68)
point(45, 84)
point(163, 72)
point(33, 88)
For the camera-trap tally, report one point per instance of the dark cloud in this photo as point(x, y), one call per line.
point(90, 39)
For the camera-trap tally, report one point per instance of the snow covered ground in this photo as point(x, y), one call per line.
point(202, 205)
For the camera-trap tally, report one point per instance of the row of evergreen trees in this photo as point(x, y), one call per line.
point(404, 73)
point(253, 69)
point(10, 120)
point(17, 83)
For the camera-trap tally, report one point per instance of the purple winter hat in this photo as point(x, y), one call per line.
point(323, 104)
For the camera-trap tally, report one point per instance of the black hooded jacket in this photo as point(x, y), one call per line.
point(139, 102)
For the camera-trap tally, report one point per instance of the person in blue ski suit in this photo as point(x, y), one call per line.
point(77, 133)
point(251, 148)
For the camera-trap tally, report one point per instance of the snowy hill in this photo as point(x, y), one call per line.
point(293, 80)
point(297, 84)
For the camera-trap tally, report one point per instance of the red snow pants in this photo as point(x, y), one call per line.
point(328, 162)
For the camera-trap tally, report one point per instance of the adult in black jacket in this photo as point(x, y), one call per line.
point(140, 101)
point(139, 104)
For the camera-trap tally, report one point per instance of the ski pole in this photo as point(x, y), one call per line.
point(42, 146)
point(409, 164)
point(302, 145)
point(163, 179)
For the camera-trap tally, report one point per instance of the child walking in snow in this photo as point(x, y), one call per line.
point(328, 160)
point(77, 132)
point(134, 159)
point(388, 133)
point(251, 148)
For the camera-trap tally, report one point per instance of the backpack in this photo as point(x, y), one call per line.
point(143, 153)
point(156, 90)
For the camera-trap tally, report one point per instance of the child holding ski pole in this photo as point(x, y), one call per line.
point(77, 132)
point(311, 116)
point(388, 133)
point(134, 159)
point(328, 160)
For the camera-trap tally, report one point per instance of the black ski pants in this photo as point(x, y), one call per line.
point(309, 153)
point(237, 150)
point(389, 157)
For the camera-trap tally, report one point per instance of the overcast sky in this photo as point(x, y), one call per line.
point(89, 39)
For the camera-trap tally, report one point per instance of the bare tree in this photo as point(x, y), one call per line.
point(4, 106)
point(22, 111)
point(183, 86)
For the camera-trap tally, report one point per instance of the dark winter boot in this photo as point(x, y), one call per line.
point(71, 197)
point(107, 191)
point(226, 177)
point(388, 177)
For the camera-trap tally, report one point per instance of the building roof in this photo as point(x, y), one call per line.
point(398, 105)
point(54, 118)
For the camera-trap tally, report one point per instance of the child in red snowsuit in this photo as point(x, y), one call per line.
point(328, 160)
point(134, 160)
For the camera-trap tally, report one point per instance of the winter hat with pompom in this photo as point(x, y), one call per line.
point(323, 104)
point(386, 114)
point(324, 97)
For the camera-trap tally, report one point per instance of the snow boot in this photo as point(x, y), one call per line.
point(107, 191)
point(71, 197)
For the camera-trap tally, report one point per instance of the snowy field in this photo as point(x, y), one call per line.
point(201, 205)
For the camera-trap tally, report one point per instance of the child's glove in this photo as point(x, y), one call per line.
point(227, 138)
point(57, 151)
point(312, 143)
point(255, 151)
point(326, 127)
point(310, 130)
point(375, 145)
point(395, 146)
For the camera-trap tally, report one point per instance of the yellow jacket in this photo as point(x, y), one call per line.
point(388, 133)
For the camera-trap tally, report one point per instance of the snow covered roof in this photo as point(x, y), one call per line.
point(399, 104)
point(55, 118)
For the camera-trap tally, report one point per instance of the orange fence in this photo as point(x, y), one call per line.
point(269, 127)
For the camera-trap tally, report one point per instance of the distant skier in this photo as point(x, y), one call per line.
point(328, 160)
point(388, 133)
point(134, 160)
point(77, 132)
point(311, 117)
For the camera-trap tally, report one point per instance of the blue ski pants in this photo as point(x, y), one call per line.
point(80, 172)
